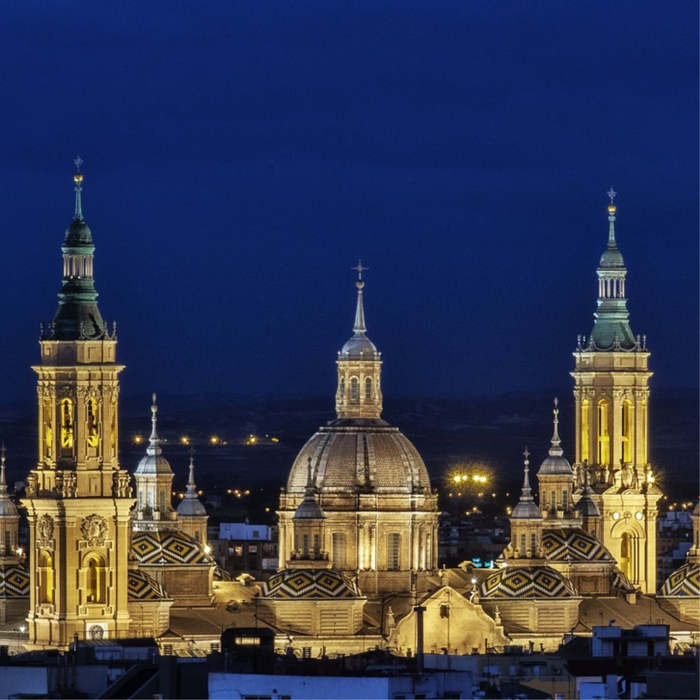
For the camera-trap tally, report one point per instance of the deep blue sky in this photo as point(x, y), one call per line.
point(240, 157)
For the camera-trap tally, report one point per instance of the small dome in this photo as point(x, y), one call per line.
point(168, 547)
point(14, 581)
point(359, 347)
point(78, 234)
point(142, 587)
point(556, 465)
point(191, 507)
point(7, 507)
point(587, 508)
point(310, 583)
point(153, 464)
point(573, 544)
point(683, 582)
point(526, 582)
point(525, 510)
point(348, 457)
point(309, 509)
point(612, 259)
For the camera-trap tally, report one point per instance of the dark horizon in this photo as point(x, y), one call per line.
point(238, 161)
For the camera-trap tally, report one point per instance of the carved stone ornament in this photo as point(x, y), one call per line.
point(44, 531)
point(94, 529)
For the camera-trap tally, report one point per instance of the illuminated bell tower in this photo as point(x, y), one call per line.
point(359, 392)
point(611, 393)
point(77, 498)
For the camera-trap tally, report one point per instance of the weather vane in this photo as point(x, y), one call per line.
point(360, 269)
point(526, 453)
point(78, 162)
point(612, 194)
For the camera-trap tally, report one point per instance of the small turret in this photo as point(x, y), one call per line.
point(525, 521)
point(191, 513)
point(309, 529)
point(9, 517)
point(154, 483)
point(359, 393)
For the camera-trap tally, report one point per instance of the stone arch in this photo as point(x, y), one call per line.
point(94, 578)
point(630, 557)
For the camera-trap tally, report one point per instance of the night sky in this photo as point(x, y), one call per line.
point(240, 157)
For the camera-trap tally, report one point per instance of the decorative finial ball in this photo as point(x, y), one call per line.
point(360, 284)
point(77, 178)
point(611, 208)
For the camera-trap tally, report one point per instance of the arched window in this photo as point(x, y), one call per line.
point(564, 499)
point(603, 435)
point(94, 578)
point(626, 431)
point(92, 435)
point(627, 563)
point(46, 577)
point(533, 544)
point(354, 390)
point(339, 550)
point(523, 544)
point(341, 389)
point(393, 552)
point(305, 546)
point(161, 501)
point(368, 389)
point(66, 423)
point(48, 428)
point(553, 504)
point(585, 430)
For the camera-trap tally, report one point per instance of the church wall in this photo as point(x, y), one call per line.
point(315, 616)
point(541, 616)
point(186, 584)
point(149, 618)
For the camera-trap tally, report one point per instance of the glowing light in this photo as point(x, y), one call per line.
point(274, 439)
point(19, 551)
point(207, 549)
point(247, 492)
point(251, 440)
point(185, 440)
point(457, 478)
point(200, 492)
point(616, 516)
point(473, 580)
point(638, 515)
point(229, 492)
point(22, 629)
point(214, 440)
point(138, 439)
point(267, 510)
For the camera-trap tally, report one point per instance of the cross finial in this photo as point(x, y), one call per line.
point(2, 454)
point(360, 269)
point(526, 454)
point(612, 194)
point(78, 162)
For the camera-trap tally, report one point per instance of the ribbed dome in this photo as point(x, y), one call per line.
point(360, 455)
point(683, 582)
point(359, 347)
point(309, 509)
point(191, 506)
point(556, 465)
point(525, 510)
point(153, 464)
point(612, 258)
point(78, 234)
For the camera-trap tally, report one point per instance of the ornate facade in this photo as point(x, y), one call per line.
point(611, 395)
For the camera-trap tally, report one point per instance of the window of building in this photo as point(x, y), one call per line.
point(94, 578)
point(368, 389)
point(585, 435)
point(354, 390)
point(523, 544)
point(603, 434)
point(46, 577)
point(252, 548)
point(626, 431)
point(553, 504)
point(341, 389)
point(564, 499)
point(339, 550)
point(533, 543)
point(394, 552)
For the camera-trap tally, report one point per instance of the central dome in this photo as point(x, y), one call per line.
point(353, 455)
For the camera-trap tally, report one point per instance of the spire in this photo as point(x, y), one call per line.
point(556, 450)
point(154, 448)
point(359, 327)
point(526, 493)
point(309, 508)
point(191, 505)
point(78, 180)
point(526, 508)
point(7, 507)
point(611, 328)
point(611, 217)
point(78, 316)
point(3, 483)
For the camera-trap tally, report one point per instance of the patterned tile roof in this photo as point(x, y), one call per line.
point(168, 547)
point(14, 581)
point(144, 587)
point(573, 544)
point(526, 582)
point(310, 583)
point(683, 582)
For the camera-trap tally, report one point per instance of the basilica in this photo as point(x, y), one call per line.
point(109, 557)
